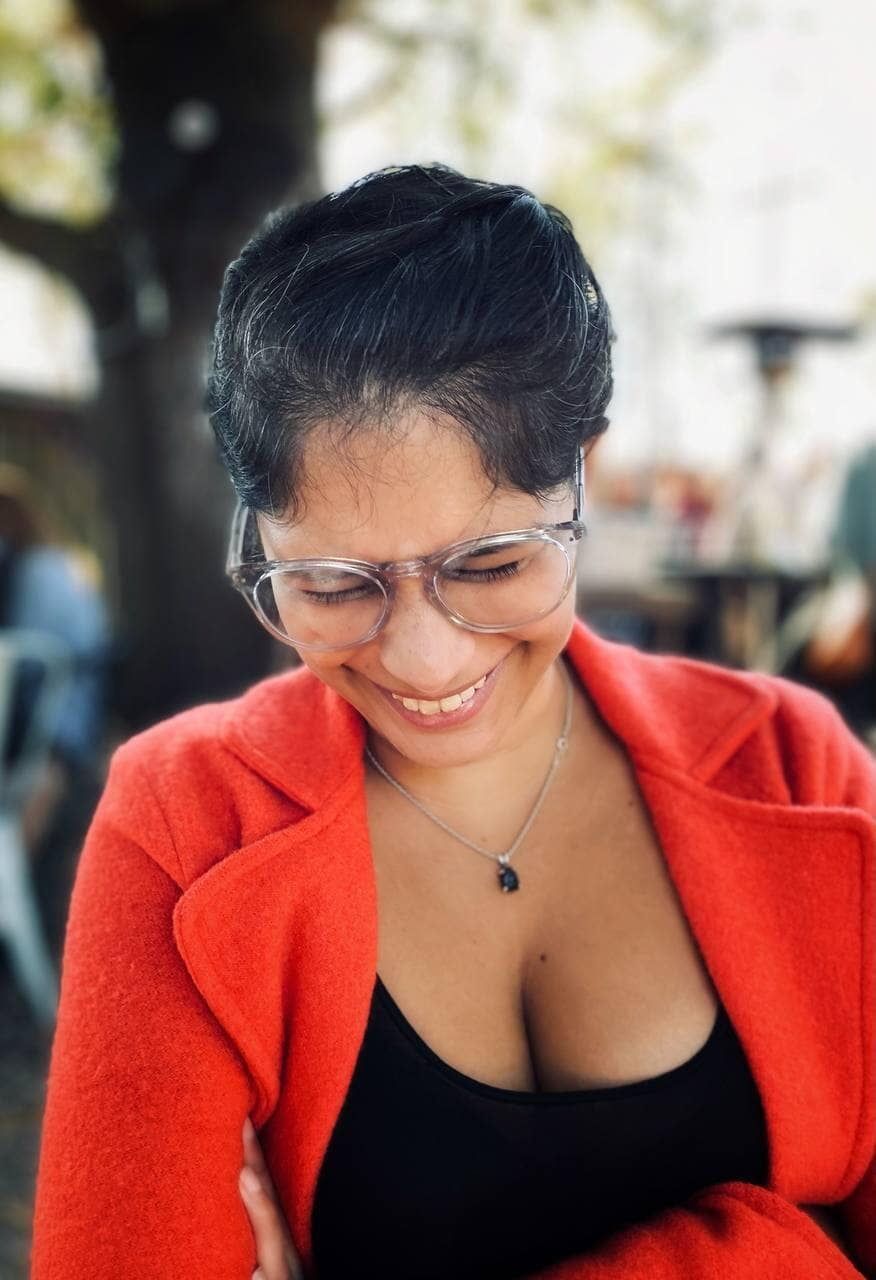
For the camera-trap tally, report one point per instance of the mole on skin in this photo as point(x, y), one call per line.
point(543, 956)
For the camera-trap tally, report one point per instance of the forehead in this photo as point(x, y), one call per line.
point(379, 495)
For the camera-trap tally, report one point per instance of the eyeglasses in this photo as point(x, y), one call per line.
point(494, 583)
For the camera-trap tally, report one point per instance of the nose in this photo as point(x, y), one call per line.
point(420, 647)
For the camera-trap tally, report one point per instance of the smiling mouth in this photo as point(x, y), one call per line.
point(439, 706)
point(429, 707)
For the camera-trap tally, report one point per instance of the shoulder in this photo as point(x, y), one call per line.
point(792, 708)
point(828, 761)
point(756, 736)
point(801, 746)
point(188, 784)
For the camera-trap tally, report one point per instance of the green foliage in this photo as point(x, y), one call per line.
point(57, 135)
point(593, 118)
point(58, 140)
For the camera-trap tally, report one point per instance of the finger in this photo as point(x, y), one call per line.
point(254, 1158)
point(274, 1250)
point(275, 1229)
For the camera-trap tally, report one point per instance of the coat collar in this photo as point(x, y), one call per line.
point(280, 936)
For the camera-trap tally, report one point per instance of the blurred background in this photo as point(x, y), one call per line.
point(715, 157)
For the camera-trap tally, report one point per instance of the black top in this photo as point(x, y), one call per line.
point(430, 1174)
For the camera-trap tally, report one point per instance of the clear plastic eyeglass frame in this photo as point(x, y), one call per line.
point(246, 571)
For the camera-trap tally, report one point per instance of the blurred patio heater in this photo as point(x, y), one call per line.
point(775, 344)
point(748, 594)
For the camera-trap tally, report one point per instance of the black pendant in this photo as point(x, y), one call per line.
point(508, 879)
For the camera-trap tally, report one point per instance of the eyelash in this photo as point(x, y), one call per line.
point(491, 575)
point(473, 575)
point(336, 597)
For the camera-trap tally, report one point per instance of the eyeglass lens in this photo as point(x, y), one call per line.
point(499, 585)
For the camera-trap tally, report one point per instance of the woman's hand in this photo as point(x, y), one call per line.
point(275, 1252)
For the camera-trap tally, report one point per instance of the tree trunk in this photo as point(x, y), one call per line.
point(215, 112)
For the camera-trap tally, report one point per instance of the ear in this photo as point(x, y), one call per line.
point(596, 429)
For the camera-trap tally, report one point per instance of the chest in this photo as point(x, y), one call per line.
point(588, 976)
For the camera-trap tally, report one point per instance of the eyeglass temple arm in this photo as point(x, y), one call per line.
point(579, 485)
point(234, 554)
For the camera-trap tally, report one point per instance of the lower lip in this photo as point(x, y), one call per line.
point(447, 719)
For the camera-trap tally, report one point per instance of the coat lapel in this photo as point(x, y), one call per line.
point(780, 901)
point(280, 937)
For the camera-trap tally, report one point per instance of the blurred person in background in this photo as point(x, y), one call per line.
point(855, 534)
point(644, 1046)
point(854, 541)
point(52, 588)
point(841, 654)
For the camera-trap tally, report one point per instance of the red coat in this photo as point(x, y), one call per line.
point(221, 952)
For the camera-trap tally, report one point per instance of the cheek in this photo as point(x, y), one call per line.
point(340, 670)
point(549, 636)
point(329, 667)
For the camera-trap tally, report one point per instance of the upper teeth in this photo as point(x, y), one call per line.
point(443, 704)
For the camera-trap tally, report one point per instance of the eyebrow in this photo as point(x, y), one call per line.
point(533, 521)
point(384, 564)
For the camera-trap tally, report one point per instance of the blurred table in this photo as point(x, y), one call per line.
point(742, 606)
point(729, 613)
point(655, 615)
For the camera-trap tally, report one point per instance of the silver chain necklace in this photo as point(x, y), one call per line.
point(508, 877)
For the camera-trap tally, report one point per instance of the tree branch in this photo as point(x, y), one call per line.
point(57, 246)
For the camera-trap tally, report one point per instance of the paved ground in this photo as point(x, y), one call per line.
point(24, 1049)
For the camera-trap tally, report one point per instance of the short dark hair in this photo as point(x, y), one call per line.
point(414, 287)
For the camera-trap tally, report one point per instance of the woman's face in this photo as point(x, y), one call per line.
point(400, 499)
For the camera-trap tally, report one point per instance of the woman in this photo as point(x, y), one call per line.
point(50, 588)
point(634, 1046)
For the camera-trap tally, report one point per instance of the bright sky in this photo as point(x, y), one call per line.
point(777, 212)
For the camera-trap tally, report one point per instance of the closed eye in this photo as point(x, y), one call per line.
point(486, 575)
point(337, 597)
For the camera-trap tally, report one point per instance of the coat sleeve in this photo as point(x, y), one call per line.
point(141, 1139)
point(732, 1229)
point(857, 775)
point(736, 1228)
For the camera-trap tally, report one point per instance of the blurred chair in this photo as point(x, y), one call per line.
point(44, 663)
point(825, 641)
point(830, 639)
